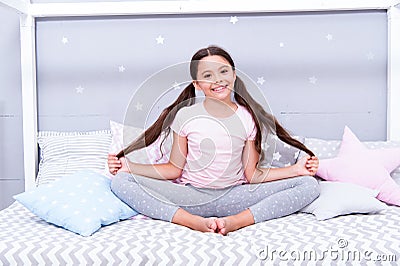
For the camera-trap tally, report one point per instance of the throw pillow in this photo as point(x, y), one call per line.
point(81, 202)
point(123, 135)
point(64, 153)
point(396, 177)
point(338, 198)
point(359, 165)
point(323, 149)
point(278, 153)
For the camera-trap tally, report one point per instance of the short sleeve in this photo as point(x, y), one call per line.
point(177, 124)
point(253, 131)
point(250, 125)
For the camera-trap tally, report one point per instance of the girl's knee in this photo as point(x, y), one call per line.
point(118, 181)
point(312, 185)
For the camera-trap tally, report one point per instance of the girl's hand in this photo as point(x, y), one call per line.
point(124, 165)
point(114, 164)
point(307, 166)
point(312, 165)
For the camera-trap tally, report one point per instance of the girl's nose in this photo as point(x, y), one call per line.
point(218, 79)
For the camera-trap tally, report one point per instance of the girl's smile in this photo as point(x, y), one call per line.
point(219, 88)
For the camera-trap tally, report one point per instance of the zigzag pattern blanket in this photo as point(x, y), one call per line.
point(298, 239)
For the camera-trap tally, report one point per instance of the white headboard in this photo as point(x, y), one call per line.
point(30, 11)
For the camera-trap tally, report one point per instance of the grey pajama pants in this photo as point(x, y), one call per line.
point(160, 199)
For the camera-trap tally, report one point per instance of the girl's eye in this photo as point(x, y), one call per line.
point(224, 71)
point(206, 76)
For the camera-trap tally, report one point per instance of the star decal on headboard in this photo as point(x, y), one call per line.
point(312, 80)
point(329, 37)
point(79, 89)
point(370, 56)
point(139, 106)
point(176, 86)
point(260, 80)
point(64, 40)
point(160, 39)
point(233, 20)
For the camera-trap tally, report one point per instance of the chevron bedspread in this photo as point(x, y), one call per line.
point(298, 239)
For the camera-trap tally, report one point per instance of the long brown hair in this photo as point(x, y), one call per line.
point(262, 119)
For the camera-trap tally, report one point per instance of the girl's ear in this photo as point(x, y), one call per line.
point(196, 85)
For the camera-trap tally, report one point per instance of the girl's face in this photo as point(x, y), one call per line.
point(215, 77)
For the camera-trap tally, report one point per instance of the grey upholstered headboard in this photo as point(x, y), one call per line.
point(319, 71)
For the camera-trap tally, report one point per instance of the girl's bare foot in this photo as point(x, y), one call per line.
point(211, 225)
point(224, 225)
point(234, 222)
point(205, 225)
point(195, 222)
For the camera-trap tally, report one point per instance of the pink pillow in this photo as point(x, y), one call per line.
point(359, 165)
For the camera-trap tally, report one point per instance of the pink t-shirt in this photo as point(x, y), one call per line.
point(215, 145)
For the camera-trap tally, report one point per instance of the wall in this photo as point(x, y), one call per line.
point(318, 71)
point(11, 142)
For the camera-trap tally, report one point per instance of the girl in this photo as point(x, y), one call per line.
point(214, 158)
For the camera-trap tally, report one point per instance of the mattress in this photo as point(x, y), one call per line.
point(298, 239)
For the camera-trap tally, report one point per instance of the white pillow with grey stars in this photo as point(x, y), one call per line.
point(278, 153)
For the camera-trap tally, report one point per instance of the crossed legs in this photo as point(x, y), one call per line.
point(234, 208)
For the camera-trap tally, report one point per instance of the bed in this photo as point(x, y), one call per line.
point(362, 238)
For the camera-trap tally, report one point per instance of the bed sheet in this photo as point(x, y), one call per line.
point(298, 239)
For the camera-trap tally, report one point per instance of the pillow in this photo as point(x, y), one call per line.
point(326, 149)
point(359, 165)
point(81, 202)
point(337, 198)
point(396, 177)
point(395, 174)
point(63, 153)
point(123, 135)
point(278, 153)
point(323, 149)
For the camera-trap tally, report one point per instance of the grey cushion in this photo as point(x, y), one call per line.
point(323, 149)
point(279, 154)
point(396, 176)
point(339, 198)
